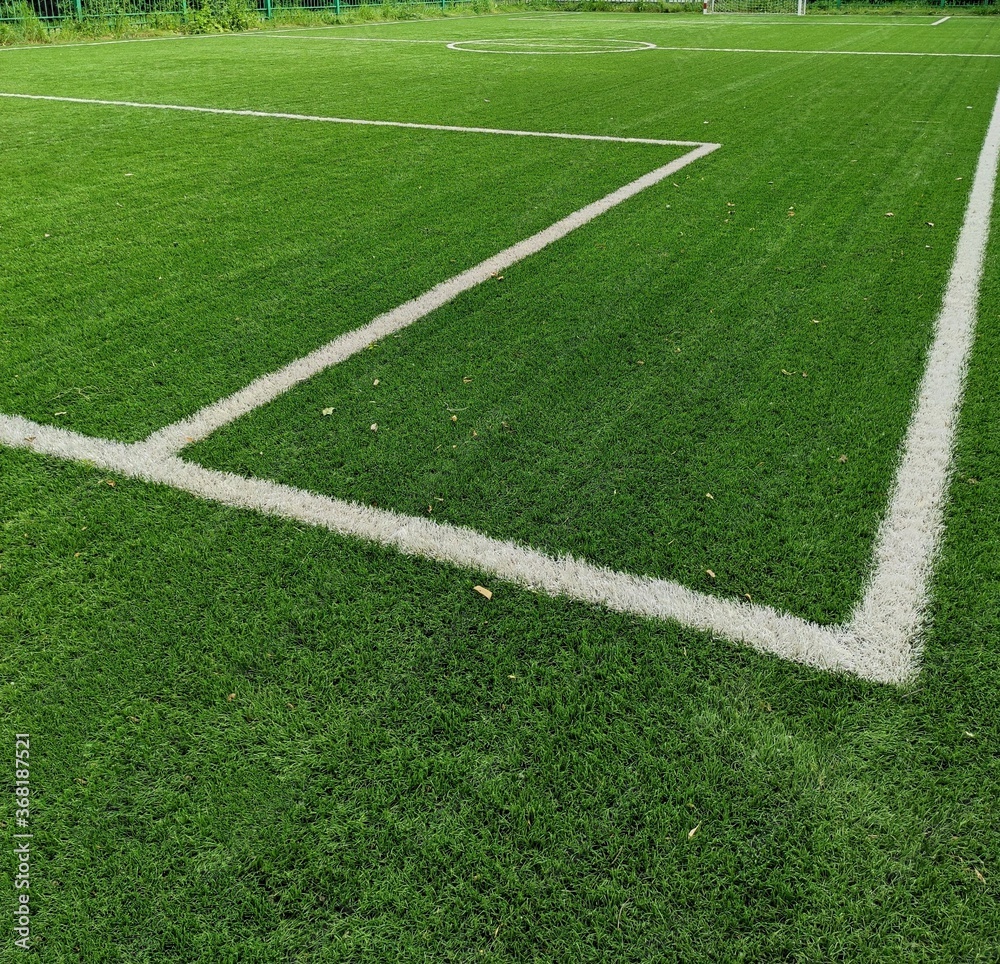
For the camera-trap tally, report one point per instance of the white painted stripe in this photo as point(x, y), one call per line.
point(172, 438)
point(556, 46)
point(566, 44)
point(891, 611)
point(942, 20)
point(657, 142)
point(828, 53)
point(880, 642)
point(362, 40)
point(722, 22)
point(763, 628)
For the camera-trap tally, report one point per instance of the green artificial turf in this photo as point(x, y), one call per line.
point(710, 384)
point(163, 260)
point(255, 741)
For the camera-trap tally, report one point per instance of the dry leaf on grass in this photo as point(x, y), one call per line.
point(483, 591)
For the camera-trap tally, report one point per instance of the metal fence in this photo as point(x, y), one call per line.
point(50, 12)
point(239, 14)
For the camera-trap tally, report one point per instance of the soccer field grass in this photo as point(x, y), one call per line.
point(632, 320)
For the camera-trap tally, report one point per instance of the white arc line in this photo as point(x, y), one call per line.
point(482, 46)
point(361, 122)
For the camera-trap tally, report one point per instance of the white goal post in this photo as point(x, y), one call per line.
point(754, 6)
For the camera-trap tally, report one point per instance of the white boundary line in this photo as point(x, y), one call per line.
point(226, 112)
point(828, 53)
point(728, 21)
point(646, 45)
point(643, 45)
point(891, 612)
point(937, 23)
point(881, 640)
point(761, 627)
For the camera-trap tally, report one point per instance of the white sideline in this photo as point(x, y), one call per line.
point(892, 609)
point(880, 642)
point(761, 627)
point(364, 40)
point(827, 53)
point(275, 115)
point(722, 21)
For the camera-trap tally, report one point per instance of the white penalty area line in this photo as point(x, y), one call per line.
point(360, 122)
point(173, 438)
point(880, 641)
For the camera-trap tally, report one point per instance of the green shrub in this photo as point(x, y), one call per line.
point(202, 18)
point(26, 28)
point(239, 15)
